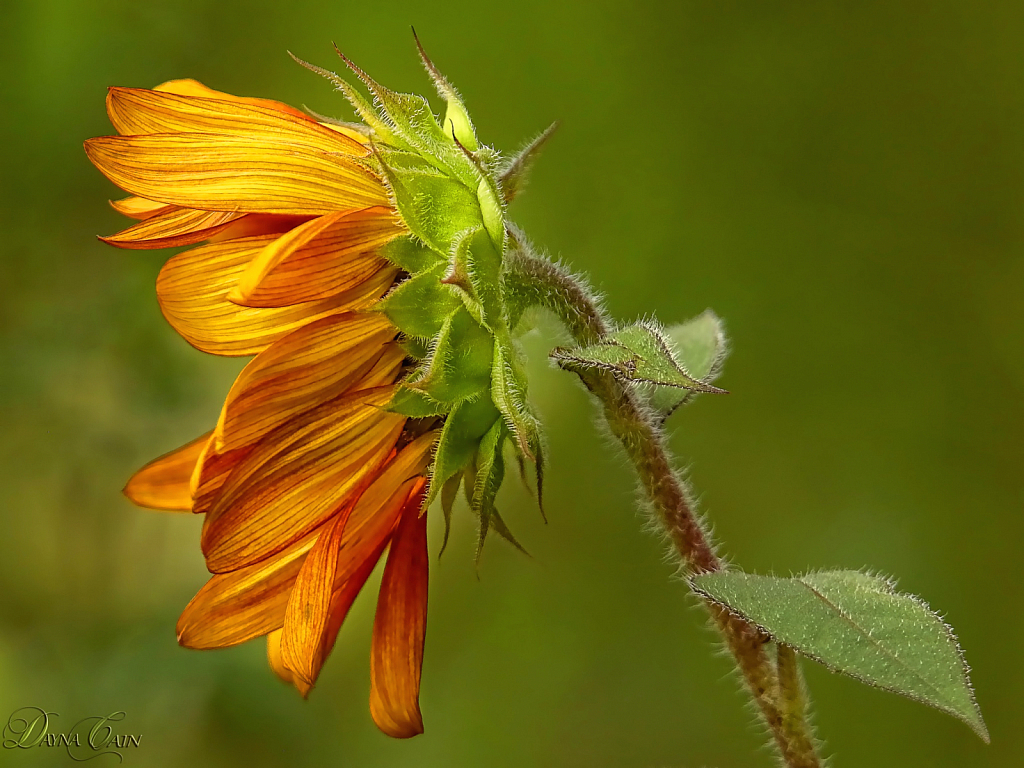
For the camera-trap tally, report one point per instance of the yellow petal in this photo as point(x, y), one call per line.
point(135, 111)
point(317, 362)
point(174, 227)
point(318, 259)
point(250, 602)
point(164, 482)
point(189, 87)
point(193, 287)
point(297, 477)
point(352, 133)
point(386, 369)
point(275, 659)
point(231, 172)
point(399, 628)
point(139, 207)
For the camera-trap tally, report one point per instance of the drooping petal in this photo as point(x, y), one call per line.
point(164, 483)
point(308, 611)
point(295, 478)
point(139, 207)
point(250, 602)
point(189, 87)
point(229, 172)
point(378, 509)
point(308, 651)
point(193, 287)
point(316, 363)
point(174, 227)
point(399, 628)
point(318, 259)
point(136, 111)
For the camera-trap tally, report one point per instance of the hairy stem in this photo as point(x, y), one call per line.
point(793, 704)
point(537, 282)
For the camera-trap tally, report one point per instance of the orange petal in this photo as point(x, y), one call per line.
point(136, 111)
point(295, 478)
point(378, 509)
point(254, 224)
point(306, 618)
point(211, 472)
point(231, 172)
point(317, 362)
point(238, 606)
point(164, 482)
point(213, 468)
point(234, 607)
point(399, 628)
point(139, 207)
point(193, 287)
point(306, 648)
point(318, 259)
point(189, 87)
point(174, 227)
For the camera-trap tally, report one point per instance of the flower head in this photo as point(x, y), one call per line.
point(361, 265)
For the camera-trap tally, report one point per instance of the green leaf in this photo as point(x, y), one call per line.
point(698, 345)
point(857, 624)
point(415, 347)
point(366, 112)
point(635, 353)
point(420, 305)
point(448, 495)
point(508, 391)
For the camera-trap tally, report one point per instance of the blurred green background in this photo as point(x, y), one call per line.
point(843, 183)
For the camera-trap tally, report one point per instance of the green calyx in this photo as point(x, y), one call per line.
point(450, 192)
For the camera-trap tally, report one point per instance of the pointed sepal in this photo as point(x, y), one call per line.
point(514, 174)
point(420, 305)
point(411, 120)
point(463, 430)
point(456, 119)
point(459, 365)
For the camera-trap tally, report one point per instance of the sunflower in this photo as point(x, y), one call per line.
point(306, 478)
point(362, 265)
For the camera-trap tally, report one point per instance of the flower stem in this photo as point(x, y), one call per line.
point(532, 281)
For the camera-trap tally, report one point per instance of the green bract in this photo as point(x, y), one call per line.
point(450, 192)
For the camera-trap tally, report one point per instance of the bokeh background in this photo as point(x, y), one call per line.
point(843, 183)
